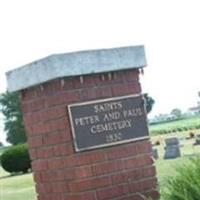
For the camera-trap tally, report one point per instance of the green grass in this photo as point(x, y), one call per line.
point(19, 187)
point(191, 123)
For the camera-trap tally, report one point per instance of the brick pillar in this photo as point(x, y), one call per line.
point(119, 172)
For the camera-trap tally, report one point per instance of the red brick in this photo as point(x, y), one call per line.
point(45, 115)
point(125, 89)
point(134, 174)
point(45, 152)
point(107, 167)
point(65, 135)
point(93, 93)
point(51, 176)
point(48, 176)
point(58, 124)
point(142, 185)
point(110, 193)
point(88, 81)
point(90, 157)
point(80, 196)
point(103, 92)
point(77, 82)
point(52, 139)
point(55, 163)
point(43, 187)
point(28, 94)
point(30, 119)
point(55, 138)
point(97, 79)
point(52, 87)
point(51, 196)
point(134, 148)
point(131, 75)
point(53, 113)
point(38, 129)
point(59, 175)
point(149, 171)
point(84, 159)
point(63, 149)
point(88, 94)
point(139, 161)
point(32, 106)
point(68, 83)
point(63, 98)
point(89, 184)
point(38, 165)
point(39, 91)
point(60, 186)
point(78, 172)
point(119, 152)
point(25, 107)
point(144, 147)
point(35, 141)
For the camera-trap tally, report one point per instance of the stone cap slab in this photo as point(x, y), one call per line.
point(75, 64)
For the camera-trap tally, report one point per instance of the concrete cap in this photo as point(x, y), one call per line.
point(75, 64)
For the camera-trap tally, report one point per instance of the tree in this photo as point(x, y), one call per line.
point(176, 112)
point(11, 109)
point(149, 102)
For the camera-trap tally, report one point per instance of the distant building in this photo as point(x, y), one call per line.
point(162, 118)
point(195, 110)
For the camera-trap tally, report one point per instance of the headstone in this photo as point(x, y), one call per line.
point(197, 140)
point(172, 149)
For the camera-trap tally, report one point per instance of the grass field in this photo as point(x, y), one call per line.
point(20, 187)
point(173, 126)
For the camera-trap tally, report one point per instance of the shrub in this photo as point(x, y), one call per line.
point(16, 159)
point(179, 129)
point(197, 127)
point(186, 184)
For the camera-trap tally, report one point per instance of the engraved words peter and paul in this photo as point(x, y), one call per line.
point(108, 122)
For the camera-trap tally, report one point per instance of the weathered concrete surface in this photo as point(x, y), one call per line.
point(74, 64)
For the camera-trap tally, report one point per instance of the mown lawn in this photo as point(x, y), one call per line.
point(19, 187)
point(173, 126)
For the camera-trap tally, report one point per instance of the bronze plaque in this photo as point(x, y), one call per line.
point(108, 122)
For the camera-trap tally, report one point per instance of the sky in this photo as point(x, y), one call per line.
point(169, 30)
